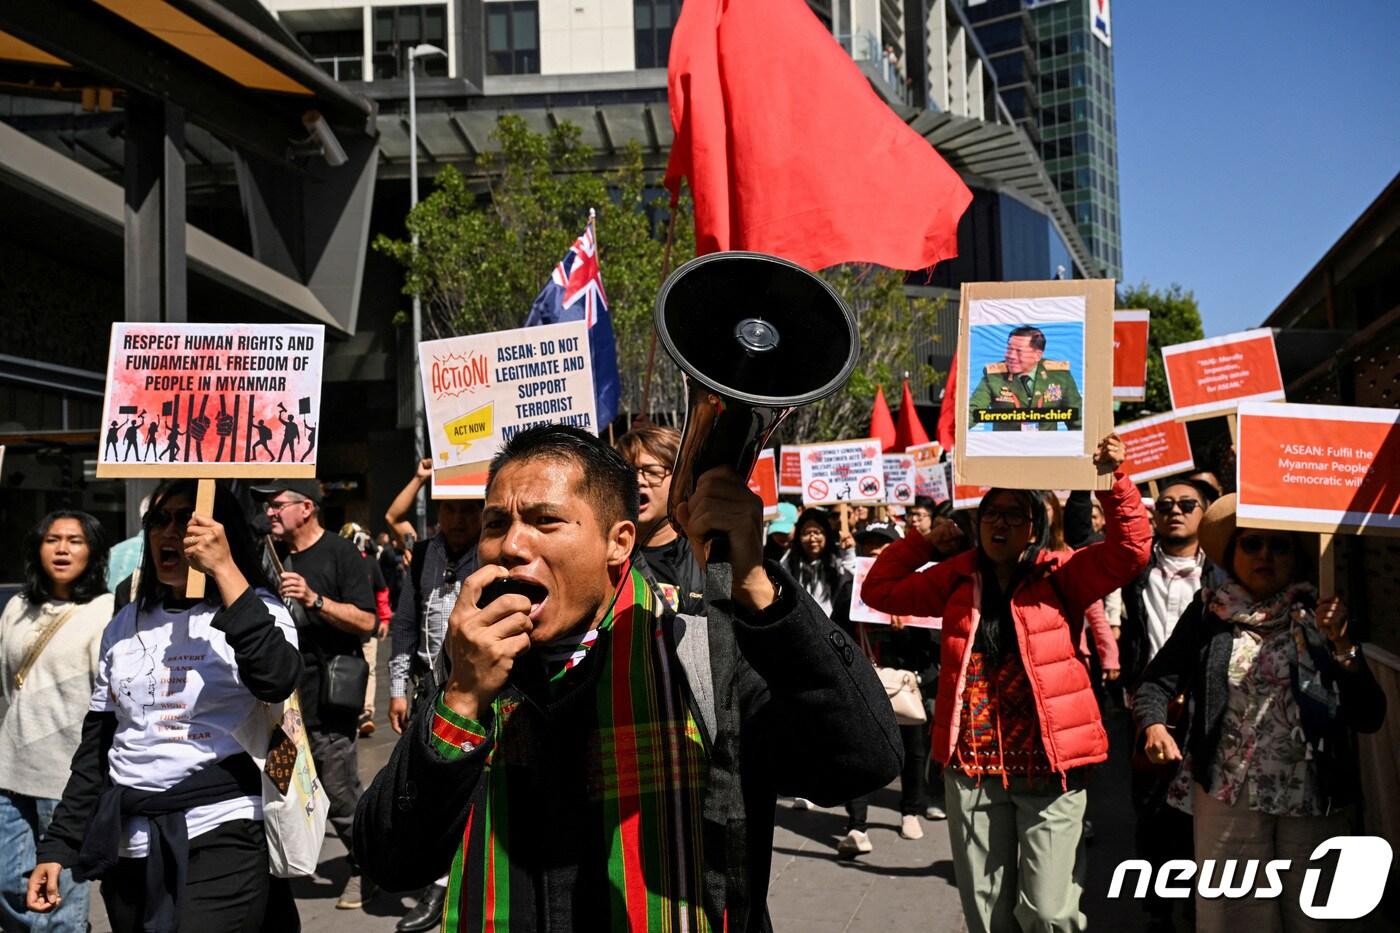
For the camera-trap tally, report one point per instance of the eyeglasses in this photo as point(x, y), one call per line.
point(653, 474)
point(157, 519)
point(274, 507)
point(1278, 545)
point(1165, 506)
point(1012, 519)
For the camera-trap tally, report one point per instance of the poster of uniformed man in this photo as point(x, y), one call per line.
point(1026, 364)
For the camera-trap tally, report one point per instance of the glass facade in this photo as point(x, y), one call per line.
point(513, 37)
point(1078, 125)
point(652, 22)
point(398, 29)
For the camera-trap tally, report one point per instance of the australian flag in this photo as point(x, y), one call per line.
point(574, 292)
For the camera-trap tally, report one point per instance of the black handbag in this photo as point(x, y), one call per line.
point(344, 679)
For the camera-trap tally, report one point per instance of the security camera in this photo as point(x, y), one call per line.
point(320, 139)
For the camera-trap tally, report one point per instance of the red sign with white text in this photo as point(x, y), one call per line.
point(763, 482)
point(968, 497)
point(1156, 447)
point(1213, 376)
point(790, 470)
point(1319, 468)
point(1130, 355)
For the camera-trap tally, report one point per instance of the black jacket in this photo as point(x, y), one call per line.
point(1196, 661)
point(817, 724)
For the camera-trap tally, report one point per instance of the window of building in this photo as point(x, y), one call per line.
point(398, 29)
point(513, 37)
point(653, 21)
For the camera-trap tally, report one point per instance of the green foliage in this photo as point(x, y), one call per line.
point(483, 256)
point(1175, 318)
point(889, 322)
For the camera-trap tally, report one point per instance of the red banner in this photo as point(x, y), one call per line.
point(1156, 447)
point(790, 471)
point(1213, 376)
point(763, 482)
point(1319, 468)
point(1130, 355)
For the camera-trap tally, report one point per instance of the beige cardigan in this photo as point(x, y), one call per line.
point(42, 721)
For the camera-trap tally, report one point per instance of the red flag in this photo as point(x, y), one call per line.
point(910, 430)
point(882, 422)
point(789, 151)
point(947, 414)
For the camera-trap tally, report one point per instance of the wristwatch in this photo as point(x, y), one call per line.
point(1342, 657)
point(320, 601)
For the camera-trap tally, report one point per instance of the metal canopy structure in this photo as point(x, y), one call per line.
point(229, 65)
point(216, 83)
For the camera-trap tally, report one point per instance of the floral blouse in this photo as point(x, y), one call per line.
point(1262, 746)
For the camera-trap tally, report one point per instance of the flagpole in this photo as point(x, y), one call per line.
point(651, 353)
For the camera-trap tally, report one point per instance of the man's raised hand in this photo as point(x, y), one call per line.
point(483, 643)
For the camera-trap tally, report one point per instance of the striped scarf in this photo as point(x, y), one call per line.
point(644, 769)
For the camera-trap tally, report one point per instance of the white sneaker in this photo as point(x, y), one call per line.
point(909, 827)
point(854, 843)
point(802, 803)
point(935, 812)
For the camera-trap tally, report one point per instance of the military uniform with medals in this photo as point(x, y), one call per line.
point(1050, 386)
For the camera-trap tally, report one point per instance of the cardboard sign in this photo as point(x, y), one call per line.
point(1322, 468)
point(844, 471)
point(1213, 376)
point(790, 470)
point(862, 612)
point(900, 478)
point(1156, 447)
point(931, 475)
point(211, 401)
point(479, 391)
point(463, 486)
point(1035, 395)
point(763, 482)
point(1130, 329)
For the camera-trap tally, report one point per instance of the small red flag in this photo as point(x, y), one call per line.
point(909, 429)
point(882, 422)
point(947, 414)
point(789, 151)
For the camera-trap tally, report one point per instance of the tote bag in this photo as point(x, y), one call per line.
point(295, 805)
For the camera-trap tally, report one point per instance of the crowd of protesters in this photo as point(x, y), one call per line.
point(119, 759)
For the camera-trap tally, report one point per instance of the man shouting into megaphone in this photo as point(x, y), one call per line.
point(561, 773)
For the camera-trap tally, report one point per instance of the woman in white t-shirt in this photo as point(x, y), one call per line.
point(163, 804)
point(49, 636)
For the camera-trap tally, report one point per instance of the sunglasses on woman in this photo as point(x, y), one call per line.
point(157, 519)
point(1278, 545)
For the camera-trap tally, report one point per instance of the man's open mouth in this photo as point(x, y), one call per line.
point(536, 593)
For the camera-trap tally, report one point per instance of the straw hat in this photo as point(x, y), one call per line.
point(1217, 527)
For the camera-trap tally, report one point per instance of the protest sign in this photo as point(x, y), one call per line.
point(1321, 468)
point(462, 486)
point(1213, 376)
point(479, 391)
point(968, 497)
point(763, 482)
point(1130, 330)
point(1156, 447)
point(1036, 392)
point(900, 478)
point(930, 473)
point(862, 612)
point(790, 470)
point(211, 400)
point(843, 471)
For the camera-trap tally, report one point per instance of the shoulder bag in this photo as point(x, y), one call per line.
point(295, 805)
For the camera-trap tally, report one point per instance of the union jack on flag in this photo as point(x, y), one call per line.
point(574, 292)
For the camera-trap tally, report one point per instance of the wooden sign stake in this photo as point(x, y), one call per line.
point(1233, 421)
point(1152, 489)
point(1326, 566)
point(844, 511)
point(203, 505)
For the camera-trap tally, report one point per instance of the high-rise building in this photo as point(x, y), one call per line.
point(1054, 67)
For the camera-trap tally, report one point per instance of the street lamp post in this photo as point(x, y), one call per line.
point(420, 440)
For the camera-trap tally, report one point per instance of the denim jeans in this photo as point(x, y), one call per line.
point(22, 820)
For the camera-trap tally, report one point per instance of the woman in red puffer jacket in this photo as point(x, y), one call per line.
point(1015, 713)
